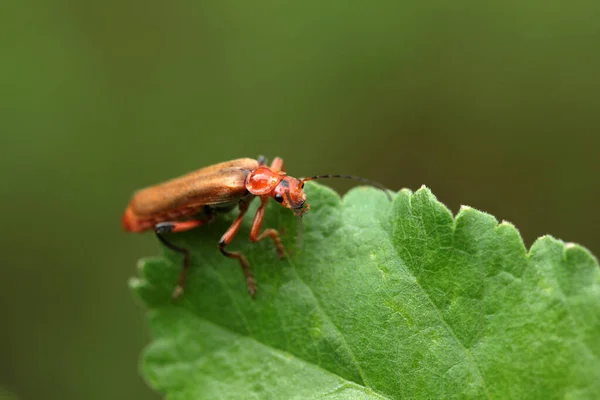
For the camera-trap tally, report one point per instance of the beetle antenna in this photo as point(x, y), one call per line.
point(356, 178)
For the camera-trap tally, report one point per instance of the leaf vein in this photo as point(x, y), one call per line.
point(337, 329)
point(430, 301)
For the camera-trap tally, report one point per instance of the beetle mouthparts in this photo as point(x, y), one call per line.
point(300, 210)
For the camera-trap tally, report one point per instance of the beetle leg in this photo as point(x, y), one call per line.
point(228, 237)
point(277, 164)
point(178, 226)
point(272, 233)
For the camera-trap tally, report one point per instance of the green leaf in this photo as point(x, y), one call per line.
point(383, 300)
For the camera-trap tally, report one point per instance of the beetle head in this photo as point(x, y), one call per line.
point(290, 194)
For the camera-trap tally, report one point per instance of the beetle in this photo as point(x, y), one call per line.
point(196, 198)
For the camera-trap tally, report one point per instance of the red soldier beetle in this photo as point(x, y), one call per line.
point(195, 199)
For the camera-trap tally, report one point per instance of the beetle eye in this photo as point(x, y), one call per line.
point(278, 198)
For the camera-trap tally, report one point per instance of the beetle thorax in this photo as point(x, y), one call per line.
point(263, 180)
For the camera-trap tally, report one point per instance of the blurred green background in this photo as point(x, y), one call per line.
point(491, 105)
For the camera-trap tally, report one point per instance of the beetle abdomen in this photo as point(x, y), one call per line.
point(134, 223)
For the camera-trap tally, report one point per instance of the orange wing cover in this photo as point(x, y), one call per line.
point(222, 183)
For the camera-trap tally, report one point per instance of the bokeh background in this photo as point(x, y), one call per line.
point(494, 105)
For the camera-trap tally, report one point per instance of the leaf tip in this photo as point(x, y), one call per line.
point(425, 195)
point(140, 265)
point(424, 190)
point(138, 287)
point(544, 240)
point(147, 262)
point(467, 211)
point(135, 283)
point(579, 252)
point(540, 243)
point(507, 226)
